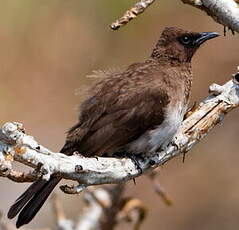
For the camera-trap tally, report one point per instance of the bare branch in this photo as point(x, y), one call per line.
point(104, 204)
point(225, 12)
point(132, 13)
point(15, 144)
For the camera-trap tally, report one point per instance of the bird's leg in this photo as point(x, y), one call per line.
point(133, 157)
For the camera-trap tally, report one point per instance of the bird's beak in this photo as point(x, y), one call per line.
point(205, 36)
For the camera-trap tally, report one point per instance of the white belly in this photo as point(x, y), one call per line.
point(162, 135)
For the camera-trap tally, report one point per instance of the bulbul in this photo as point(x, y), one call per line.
point(136, 111)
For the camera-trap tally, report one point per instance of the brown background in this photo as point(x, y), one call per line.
point(46, 50)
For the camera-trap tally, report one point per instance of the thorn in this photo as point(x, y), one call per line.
point(184, 155)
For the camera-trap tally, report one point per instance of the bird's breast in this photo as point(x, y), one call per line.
point(162, 135)
point(158, 138)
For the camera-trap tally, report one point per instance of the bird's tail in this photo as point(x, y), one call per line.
point(30, 202)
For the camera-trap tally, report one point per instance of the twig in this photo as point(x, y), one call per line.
point(132, 13)
point(158, 188)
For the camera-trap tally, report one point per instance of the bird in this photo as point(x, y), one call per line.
point(135, 111)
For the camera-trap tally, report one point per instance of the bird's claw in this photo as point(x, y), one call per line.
point(135, 160)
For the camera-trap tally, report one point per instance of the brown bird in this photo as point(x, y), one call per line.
point(137, 111)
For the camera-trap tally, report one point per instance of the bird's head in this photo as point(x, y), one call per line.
point(180, 45)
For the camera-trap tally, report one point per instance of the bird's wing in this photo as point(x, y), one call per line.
point(121, 110)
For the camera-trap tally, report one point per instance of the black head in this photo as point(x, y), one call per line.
point(180, 44)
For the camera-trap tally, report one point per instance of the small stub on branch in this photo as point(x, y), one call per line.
point(74, 189)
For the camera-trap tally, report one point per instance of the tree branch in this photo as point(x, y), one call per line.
point(18, 146)
point(225, 12)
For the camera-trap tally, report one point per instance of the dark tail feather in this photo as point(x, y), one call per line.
point(25, 197)
point(36, 202)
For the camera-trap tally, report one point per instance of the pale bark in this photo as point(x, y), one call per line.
point(18, 146)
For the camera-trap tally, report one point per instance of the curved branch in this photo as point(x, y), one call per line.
point(15, 144)
point(225, 12)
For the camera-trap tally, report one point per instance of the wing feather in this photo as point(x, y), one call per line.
point(122, 108)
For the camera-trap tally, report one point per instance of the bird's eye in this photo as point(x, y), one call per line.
point(185, 40)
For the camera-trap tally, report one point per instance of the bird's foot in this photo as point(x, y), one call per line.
point(135, 160)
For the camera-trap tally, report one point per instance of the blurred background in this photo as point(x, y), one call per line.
point(46, 50)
